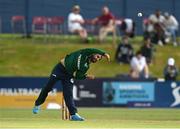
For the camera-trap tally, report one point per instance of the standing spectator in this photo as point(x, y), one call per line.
point(147, 50)
point(170, 70)
point(171, 26)
point(75, 22)
point(128, 27)
point(139, 67)
point(124, 51)
point(157, 21)
point(107, 23)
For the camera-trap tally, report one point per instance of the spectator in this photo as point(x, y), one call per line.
point(139, 67)
point(170, 70)
point(107, 23)
point(147, 50)
point(171, 26)
point(148, 29)
point(128, 27)
point(124, 51)
point(75, 22)
point(157, 21)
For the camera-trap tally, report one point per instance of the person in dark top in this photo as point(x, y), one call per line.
point(73, 66)
point(124, 52)
point(170, 70)
point(147, 50)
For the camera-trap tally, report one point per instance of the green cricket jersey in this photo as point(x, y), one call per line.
point(78, 61)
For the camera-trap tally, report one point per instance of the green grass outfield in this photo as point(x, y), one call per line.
point(34, 57)
point(95, 118)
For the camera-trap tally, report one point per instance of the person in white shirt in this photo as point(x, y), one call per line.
point(157, 20)
point(128, 27)
point(139, 67)
point(171, 25)
point(75, 22)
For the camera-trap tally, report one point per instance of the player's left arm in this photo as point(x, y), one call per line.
point(80, 75)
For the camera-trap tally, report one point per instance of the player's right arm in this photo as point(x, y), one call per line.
point(90, 51)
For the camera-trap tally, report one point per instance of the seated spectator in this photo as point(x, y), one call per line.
point(107, 23)
point(159, 33)
point(139, 67)
point(148, 29)
point(75, 22)
point(170, 70)
point(124, 51)
point(171, 26)
point(147, 50)
point(128, 27)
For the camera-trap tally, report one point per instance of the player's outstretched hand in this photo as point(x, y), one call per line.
point(107, 56)
point(90, 76)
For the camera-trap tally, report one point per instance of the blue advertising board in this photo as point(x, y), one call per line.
point(100, 92)
point(126, 92)
point(167, 94)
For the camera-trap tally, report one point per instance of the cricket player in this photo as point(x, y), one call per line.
point(73, 66)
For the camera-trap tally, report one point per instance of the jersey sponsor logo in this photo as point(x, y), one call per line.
point(54, 75)
point(86, 65)
point(72, 80)
point(78, 62)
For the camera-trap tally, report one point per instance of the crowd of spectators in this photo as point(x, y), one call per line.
point(158, 29)
point(105, 22)
point(161, 27)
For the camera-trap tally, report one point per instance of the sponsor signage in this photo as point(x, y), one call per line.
point(167, 94)
point(16, 92)
point(126, 92)
point(88, 93)
point(22, 92)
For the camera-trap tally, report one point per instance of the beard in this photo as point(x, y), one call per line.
point(93, 59)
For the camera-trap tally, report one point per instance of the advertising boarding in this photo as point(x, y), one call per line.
point(127, 92)
point(22, 92)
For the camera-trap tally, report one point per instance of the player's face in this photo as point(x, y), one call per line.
point(96, 57)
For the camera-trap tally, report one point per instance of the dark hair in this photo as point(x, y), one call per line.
point(138, 52)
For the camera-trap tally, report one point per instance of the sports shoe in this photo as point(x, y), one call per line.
point(76, 117)
point(36, 109)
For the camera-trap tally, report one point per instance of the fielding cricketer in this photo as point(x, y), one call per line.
point(73, 66)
